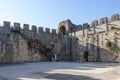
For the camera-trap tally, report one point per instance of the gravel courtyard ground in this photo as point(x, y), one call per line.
point(60, 71)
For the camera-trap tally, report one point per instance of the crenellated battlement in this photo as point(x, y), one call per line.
point(54, 31)
point(26, 27)
point(115, 17)
point(106, 20)
point(96, 26)
point(66, 24)
point(47, 30)
point(85, 26)
point(94, 23)
point(6, 24)
point(16, 26)
point(34, 28)
point(40, 29)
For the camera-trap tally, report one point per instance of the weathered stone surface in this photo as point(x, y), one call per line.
point(47, 30)
point(103, 20)
point(26, 26)
point(16, 26)
point(114, 17)
point(95, 23)
point(24, 45)
point(40, 29)
point(53, 31)
point(6, 24)
point(34, 28)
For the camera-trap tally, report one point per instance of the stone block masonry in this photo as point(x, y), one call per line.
point(25, 45)
point(70, 43)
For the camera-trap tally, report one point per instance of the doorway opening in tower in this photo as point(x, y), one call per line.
point(62, 30)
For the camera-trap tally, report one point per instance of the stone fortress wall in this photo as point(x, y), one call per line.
point(97, 36)
point(93, 39)
point(69, 42)
point(21, 44)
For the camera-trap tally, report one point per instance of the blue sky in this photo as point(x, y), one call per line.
point(48, 13)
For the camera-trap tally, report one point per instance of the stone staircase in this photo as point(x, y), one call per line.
point(48, 53)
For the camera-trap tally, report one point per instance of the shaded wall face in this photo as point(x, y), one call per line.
point(6, 51)
point(6, 48)
point(15, 48)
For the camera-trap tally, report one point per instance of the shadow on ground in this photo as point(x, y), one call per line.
point(55, 77)
point(68, 77)
point(36, 71)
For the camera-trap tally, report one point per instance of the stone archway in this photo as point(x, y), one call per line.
point(62, 30)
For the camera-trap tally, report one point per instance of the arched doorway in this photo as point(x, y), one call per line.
point(62, 30)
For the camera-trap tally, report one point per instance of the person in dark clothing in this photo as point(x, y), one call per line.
point(85, 53)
